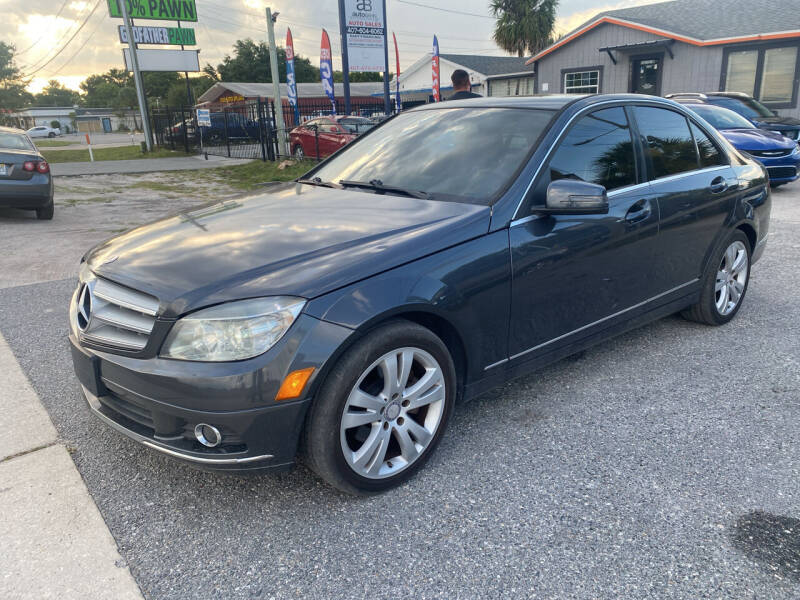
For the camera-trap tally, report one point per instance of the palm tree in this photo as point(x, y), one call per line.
point(523, 26)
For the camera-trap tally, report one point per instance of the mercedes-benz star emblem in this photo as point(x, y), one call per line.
point(85, 307)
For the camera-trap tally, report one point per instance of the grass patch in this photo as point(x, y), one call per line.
point(77, 201)
point(53, 144)
point(251, 175)
point(120, 153)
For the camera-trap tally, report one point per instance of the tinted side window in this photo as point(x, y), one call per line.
point(710, 156)
point(668, 143)
point(598, 149)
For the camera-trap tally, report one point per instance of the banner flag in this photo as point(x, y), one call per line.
point(291, 80)
point(437, 95)
point(398, 101)
point(326, 68)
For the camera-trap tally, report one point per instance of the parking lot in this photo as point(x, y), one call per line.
point(664, 463)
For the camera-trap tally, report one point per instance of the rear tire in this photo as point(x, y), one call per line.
point(365, 434)
point(725, 283)
point(51, 135)
point(299, 153)
point(46, 212)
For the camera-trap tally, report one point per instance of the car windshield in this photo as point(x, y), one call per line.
point(357, 125)
point(746, 107)
point(461, 154)
point(722, 118)
point(14, 141)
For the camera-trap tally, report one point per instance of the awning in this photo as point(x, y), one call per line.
point(662, 43)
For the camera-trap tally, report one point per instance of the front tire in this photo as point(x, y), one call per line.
point(382, 410)
point(725, 283)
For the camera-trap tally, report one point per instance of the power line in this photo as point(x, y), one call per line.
point(41, 37)
point(34, 64)
point(447, 10)
point(83, 45)
point(68, 41)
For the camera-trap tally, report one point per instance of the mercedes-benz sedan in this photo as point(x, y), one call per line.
point(341, 317)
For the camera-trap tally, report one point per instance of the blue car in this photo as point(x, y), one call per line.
point(779, 154)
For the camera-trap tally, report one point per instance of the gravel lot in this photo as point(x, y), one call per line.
point(662, 464)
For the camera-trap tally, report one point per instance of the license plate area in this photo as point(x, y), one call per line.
point(87, 369)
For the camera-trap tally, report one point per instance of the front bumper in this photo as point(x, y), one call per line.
point(159, 402)
point(782, 169)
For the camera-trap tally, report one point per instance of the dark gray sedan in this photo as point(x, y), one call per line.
point(25, 180)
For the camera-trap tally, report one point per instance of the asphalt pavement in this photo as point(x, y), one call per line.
point(661, 464)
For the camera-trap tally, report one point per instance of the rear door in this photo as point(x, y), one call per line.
point(573, 273)
point(695, 189)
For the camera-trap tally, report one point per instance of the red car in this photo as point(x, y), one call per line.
point(321, 137)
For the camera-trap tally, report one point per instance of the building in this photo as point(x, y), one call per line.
point(489, 75)
point(311, 97)
point(75, 119)
point(750, 46)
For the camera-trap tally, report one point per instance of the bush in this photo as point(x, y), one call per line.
point(55, 124)
point(123, 128)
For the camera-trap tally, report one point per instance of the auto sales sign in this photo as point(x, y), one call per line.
point(366, 29)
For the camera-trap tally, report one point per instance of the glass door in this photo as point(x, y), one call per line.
point(646, 75)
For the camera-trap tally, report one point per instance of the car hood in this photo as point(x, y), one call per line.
point(789, 122)
point(295, 239)
point(757, 139)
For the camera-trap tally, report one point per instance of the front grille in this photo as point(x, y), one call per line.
point(118, 316)
point(781, 172)
point(770, 153)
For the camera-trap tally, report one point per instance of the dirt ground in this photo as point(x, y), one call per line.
point(90, 209)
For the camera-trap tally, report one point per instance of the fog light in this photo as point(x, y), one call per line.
point(208, 435)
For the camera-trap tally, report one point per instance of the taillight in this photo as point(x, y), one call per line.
point(29, 166)
point(43, 167)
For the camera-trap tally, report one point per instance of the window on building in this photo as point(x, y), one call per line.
point(514, 86)
point(597, 149)
point(767, 74)
point(669, 144)
point(582, 82)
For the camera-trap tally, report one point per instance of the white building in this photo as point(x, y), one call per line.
point(490, 76)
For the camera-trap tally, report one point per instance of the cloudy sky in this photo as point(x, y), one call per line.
point(66, 40)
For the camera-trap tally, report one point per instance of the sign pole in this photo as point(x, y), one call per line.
point(137, 77)
point(387, 103)
point(276, 84)
point(345, 58)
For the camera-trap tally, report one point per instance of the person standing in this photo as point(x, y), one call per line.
point(462, 86)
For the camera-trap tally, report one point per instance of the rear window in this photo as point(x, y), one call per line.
point(14, 141)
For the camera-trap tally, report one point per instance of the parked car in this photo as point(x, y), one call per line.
point(343, 315)
point(43, 131)
point(750, 108)
point(25, 180)
point(779, 154)
point(319, 138)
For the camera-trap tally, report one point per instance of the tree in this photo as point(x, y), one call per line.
point(176, 96)
point(250, 63)
point(359, 76)
point(523, 26)
point(12, 84)
point(55, 94)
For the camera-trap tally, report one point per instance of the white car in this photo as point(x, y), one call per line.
point(43, 131)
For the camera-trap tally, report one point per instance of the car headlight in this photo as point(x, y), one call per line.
point(233, 331)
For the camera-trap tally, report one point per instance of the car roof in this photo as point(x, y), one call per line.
point(555, 102)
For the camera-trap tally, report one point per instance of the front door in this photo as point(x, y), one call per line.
point(570, 273)
point(646, 75)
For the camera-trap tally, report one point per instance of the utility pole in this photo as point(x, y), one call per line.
point(137, 77)
point(387, 104)
point(345, 57)
point(276, 84)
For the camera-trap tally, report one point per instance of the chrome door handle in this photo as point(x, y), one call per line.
point(718, 185)
point(638, 212)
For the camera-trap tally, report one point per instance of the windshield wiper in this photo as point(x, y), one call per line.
point(318, 182)
point(377, 185)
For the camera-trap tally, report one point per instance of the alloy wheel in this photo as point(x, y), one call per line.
point(299, 154)
point(392, 413)
point(731, 278)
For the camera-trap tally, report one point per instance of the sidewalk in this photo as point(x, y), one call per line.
point(55, 542)
point(143, 165)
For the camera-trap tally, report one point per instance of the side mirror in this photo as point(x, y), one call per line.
point(573, 197)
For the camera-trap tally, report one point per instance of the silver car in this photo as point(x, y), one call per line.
point(25, 179)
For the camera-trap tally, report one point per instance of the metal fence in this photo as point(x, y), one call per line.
point(249, 129)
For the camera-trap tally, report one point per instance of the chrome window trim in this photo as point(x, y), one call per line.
point(579, 329)
point(682, 111)
point(689, 173)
